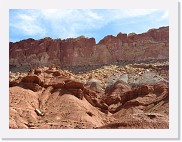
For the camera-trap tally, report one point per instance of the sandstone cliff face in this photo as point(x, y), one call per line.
point(154, 44)
point(76, 51)
point(32, 52)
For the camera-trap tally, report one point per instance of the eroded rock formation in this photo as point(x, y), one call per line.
point(109, 97)
point(82, 51)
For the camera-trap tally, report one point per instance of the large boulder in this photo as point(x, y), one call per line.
point(55, 83)
point(32, 79)
point(74, 84)
point(117, 92)
point(95, 85)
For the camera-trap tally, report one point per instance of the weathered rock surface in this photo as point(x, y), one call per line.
point(140, 121)
point(40, 99)
point(82, 51)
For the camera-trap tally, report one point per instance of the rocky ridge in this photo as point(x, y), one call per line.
point(84, 52)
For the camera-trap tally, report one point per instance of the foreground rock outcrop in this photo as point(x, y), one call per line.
point(82, 51)
point(130, 96)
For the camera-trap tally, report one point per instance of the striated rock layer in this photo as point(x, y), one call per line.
point(131, 97)
point(82, 51)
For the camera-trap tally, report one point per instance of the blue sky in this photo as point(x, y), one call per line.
point(97, 23)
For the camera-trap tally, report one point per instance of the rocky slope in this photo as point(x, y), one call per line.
point(131, 96)
point(82, 51)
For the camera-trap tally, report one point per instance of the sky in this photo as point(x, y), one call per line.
point(72, 23)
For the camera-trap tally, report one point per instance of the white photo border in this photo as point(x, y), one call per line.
point(171, 133)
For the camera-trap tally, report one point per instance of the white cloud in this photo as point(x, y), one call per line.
point(72, 22)
point(66, 23)
point(165, 15)
point(25, 17)
point(27, 23)
point(137, 12)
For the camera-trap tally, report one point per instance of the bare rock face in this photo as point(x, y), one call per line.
point(138, 47)
point(49, 98)
point(121, 96)
point(60, 102)
point(140, 121)
point(75, 52)
point(82, 51)
point(22, 105)
point(32, 52)
point(116, 92)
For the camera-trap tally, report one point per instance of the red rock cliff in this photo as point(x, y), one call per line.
point(154, 44)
